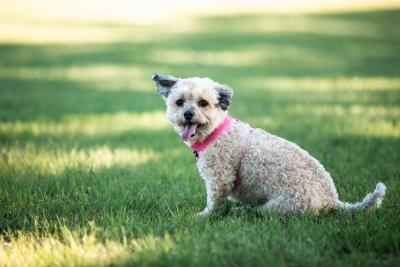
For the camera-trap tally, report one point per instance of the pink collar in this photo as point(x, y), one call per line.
point(198, 147)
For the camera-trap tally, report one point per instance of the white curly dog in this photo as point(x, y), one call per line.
point(246, 164)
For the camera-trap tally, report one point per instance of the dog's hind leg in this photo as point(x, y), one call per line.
point(232, 199)
point(275, 204)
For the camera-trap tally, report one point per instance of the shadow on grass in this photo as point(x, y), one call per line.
point(30, 100)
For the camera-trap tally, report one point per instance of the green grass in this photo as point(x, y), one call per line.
point(92, 175)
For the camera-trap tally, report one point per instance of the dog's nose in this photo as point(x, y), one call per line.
point(188, 115)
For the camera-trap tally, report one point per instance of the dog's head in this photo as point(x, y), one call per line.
point(195, 106)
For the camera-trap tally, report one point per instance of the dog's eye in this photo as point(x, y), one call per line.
point(203, 103)
point(179, 102)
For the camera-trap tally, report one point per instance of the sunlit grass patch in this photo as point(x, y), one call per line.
point(251, 56)
point(45, 32)
point(375, 50)
point(31, 161)
point(325, 84)
point(271, 23)
point(70, 248)
point(371, 112)
point(89, 125)
point(340, 112)
point(223, 58)
point(337, 120)
point(100, 76)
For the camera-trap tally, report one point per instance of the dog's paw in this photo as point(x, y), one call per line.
point(204, 212)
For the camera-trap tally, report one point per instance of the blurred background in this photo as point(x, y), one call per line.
point(60, 21)
point(68, 58)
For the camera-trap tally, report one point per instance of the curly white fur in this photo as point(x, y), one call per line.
point(276, 175)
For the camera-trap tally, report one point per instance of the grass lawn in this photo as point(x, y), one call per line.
point(91, 174)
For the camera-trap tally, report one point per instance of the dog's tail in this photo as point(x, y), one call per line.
point(370, 202)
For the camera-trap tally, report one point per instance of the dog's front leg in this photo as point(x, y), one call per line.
point(217, 190)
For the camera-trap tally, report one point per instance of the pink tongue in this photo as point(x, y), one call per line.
point(190, 129)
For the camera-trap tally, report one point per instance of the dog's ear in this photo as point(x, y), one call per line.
point(164, 83)
point(225, 94)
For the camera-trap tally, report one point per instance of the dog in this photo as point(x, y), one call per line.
point(246, 164)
